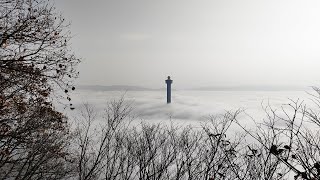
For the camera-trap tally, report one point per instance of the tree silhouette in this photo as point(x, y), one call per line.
point(35, 62)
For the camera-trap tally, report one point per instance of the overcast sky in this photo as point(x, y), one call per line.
point(198, 42)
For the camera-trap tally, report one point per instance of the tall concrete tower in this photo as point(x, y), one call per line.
point(168, 82)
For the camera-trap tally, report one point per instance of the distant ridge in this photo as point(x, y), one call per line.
point(213, 88)
point(116, 88)
point(251, 88)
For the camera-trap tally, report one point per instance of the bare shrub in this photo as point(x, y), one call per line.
point(153, 151)
point(285, 145)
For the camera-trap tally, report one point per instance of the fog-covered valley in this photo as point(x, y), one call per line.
point(190, 107)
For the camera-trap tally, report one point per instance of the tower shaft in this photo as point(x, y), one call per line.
point(168, 82)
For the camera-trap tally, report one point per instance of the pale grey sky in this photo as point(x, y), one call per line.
point(198, 42)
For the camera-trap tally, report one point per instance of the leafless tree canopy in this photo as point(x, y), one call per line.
point(285, 145)
point(34, 61)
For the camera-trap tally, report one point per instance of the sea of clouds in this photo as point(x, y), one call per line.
point(190, 107)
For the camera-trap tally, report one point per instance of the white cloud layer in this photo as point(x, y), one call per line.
point(191, 107)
